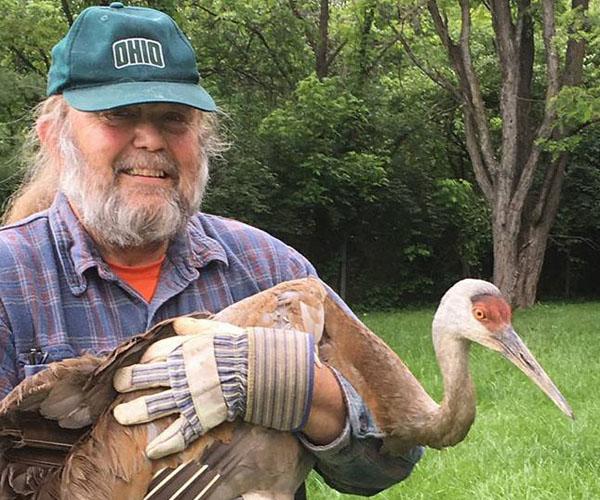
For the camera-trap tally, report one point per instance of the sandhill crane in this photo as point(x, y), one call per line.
point(107, 461)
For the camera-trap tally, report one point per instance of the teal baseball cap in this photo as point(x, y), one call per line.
point(120, 56)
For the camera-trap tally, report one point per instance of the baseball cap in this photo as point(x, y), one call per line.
point(119, 56)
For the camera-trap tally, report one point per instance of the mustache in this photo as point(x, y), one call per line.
point(154, 161)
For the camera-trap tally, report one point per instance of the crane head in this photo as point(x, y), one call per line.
point(476, 310)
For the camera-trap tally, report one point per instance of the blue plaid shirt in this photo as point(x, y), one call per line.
point(59, 299)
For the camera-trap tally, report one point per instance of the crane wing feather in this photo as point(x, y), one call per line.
point(108, 460)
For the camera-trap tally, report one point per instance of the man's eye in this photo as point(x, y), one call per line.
point(119, 115)
point(176, 123)
point(175, 118)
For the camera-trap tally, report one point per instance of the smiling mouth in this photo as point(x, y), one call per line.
point(144, 172)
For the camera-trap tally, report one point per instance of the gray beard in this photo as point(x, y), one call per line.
point(108, 216)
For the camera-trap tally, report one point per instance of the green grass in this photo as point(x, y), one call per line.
point(521, 446)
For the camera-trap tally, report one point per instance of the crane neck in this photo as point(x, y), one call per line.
point(453, 418)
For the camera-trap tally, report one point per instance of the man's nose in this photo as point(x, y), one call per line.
point(148, 136)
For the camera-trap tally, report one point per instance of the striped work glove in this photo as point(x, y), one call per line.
point(216, 372)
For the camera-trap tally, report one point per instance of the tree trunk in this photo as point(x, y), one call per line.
point(344, 268)
point(518, 266)
point(321, 62)
point(67, 11)
point(522, 188)
point(317, 35)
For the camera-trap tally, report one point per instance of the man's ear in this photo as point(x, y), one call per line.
point(42, 128)
point(45, 128)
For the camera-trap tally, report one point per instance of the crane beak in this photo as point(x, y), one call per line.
point(510, 345)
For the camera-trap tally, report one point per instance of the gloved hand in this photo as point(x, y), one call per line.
point(216, 372)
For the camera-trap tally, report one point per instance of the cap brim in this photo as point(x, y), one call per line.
point(100, 98)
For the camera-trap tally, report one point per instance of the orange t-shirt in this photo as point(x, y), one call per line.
point(143, 279)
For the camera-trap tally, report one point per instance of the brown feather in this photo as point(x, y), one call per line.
point(392, 393)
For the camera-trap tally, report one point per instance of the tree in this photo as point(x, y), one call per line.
point(508, 135)
point(342, 146)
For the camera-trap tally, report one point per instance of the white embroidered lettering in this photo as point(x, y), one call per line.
point(155, 53)
point(138, 51)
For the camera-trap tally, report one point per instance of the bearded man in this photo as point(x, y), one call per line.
point(121, 156)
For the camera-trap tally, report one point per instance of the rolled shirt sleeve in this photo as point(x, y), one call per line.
point(353, 463)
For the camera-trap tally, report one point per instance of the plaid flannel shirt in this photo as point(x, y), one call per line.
point(59, 299)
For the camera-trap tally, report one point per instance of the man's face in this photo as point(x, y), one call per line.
point(137, 168)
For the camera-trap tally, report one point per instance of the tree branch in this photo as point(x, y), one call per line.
point(336, 52)
point(574, 67)
point(548, 201)
point(25, 60)
point(504, 29)
point(273, 55)
point(572, 76)
point(506, 44)
point(67, 11)
point(581, 127)
point(441, 25)
point(552, 58)
point(525, 48)
point(431, 73)
point(479, 112)
point(321, 66)
point(576, 47)
point(387, 46)
point(479, 143)
point(481, 173)
point(255, 31)
point(44, 57)
point(307, 33)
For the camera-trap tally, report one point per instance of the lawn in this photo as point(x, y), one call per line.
point(521, 446)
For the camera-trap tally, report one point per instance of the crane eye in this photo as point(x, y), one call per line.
point(479, 314)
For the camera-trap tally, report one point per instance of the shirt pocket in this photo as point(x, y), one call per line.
point(35, 360)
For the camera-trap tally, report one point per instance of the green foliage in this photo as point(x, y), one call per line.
point(315, 145)
point(369, 158)
point(29, 30)
point(250, 53)
point(464, 213)
point(17, 94)
point(578, 106)
point(241, 190)
point(573, 261)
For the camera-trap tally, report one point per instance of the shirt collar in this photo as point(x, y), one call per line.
point(190, 250)
point(193, 249)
